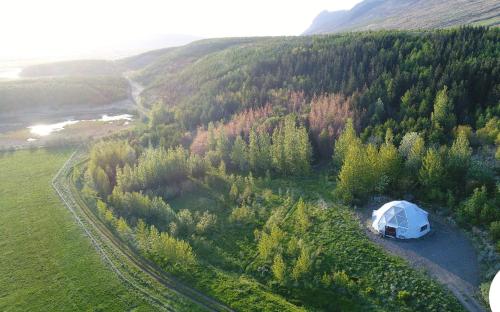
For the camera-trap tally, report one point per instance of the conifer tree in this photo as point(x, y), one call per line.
point(253, 150)
point(346, 139)
point(302, 265)
point(432, 174)
point(390, 164)
point(443, 118)
point(211, 138)
point(239, 154)
point(302, 216)
point(459, 157)
point(223, 147)
point(264, 159)
point(415, 155)
point(278, 151)
point(279, 268)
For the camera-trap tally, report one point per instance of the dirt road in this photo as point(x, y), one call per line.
point(99, 234)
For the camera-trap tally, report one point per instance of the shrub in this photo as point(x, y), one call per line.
point(495, 230)
point(403, 295)
point(477, 209)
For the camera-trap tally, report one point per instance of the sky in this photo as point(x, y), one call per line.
point(57, 28)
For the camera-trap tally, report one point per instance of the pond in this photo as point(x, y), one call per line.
point(42, 130)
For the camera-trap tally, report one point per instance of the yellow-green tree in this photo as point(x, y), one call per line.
point(346, 139)
point(302, 265)
point(432, 174)
point(302, 216)
point(279, 268)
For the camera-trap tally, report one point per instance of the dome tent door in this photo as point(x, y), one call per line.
point(390, 231)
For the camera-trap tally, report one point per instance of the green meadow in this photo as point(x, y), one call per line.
point(46, 261)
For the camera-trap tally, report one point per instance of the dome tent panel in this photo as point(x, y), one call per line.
point(401, 219)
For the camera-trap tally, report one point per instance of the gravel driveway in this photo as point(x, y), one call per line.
point(445, 253)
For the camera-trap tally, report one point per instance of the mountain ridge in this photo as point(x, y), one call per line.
point(407, 14)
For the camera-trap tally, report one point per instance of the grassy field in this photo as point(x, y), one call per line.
point(47, 264)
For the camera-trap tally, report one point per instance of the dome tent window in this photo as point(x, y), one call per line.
point(401, 219)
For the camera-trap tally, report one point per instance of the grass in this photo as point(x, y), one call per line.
point(229, 270)
point(47, 264)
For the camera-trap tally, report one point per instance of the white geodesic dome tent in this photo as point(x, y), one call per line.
point(401, 219)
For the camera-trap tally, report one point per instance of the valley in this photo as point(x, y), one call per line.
point(240, 174)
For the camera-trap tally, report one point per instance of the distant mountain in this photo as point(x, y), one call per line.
point(407, 14)
point(114, 48)
point(134, 46)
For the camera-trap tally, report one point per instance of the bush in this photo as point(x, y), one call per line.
point(485, 290)
point(495, 230)
point(478, 209)
point(403, 295)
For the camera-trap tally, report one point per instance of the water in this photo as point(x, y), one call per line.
point(42, 130)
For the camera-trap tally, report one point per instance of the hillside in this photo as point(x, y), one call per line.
point(258, 155)
point(155, 64)
point(52, 94)
point(55, 99)
point(209, 80)
point(407, 14)
point(77, 68)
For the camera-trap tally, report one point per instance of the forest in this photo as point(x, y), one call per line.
point(61, 93)
point(244, 179)
point(80, 68)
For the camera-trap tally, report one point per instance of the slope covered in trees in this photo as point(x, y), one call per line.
point(407, 14)
point(59, 94)
point(241, 182)
point(391, 79)
point(77, 68)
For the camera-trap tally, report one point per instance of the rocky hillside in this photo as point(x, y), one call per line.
point(408, 14)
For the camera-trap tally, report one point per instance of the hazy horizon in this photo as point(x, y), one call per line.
point(55, 29)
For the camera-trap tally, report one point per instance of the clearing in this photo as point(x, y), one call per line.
point(446, 253)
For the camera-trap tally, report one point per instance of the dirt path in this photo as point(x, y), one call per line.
point(446, 253)
point(135, 95)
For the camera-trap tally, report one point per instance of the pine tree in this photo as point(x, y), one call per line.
point(123, 228)
point(223, 147)
point(432, 174)
point(222, 168)
point(101, 182)
point(279, 268)
point(346, 139)
point(211, 139)
point(350, 185)
point(233, 193)
point(390, 164)
point(459, 157)
point(303, 221)
point(304, 151)
point(142, 236)
point(277, 150)
point(302, 265)
point(415, 155)
point(239, 154)
point(290, 145)
point(265, 158)
point(443, 118)
point(253, 151)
